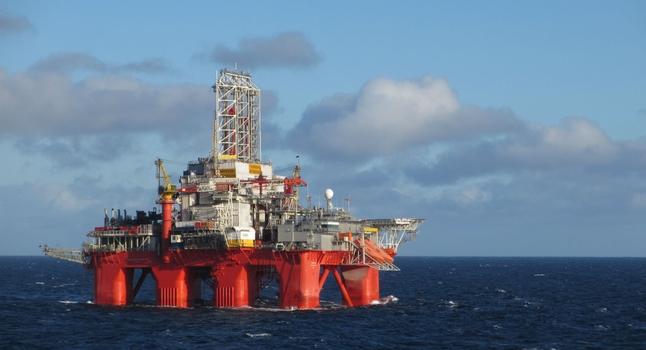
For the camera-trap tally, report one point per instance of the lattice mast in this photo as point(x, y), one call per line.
point(236, 129)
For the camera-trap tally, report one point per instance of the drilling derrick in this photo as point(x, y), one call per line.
point(236, 130)
point(232, 224)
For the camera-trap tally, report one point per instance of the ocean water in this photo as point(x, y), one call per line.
point(456, 303)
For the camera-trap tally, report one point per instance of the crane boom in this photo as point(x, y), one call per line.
point(166, 188)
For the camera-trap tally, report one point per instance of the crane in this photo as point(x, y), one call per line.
point(166, 188)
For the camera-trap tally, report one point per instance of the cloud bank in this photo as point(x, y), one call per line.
point(53, 104)
point(575, 143)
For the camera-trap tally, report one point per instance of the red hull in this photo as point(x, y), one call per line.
point(237, 277)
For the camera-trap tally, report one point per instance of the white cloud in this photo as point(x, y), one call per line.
point(388, 116)
point(574, 140)
point(573, 143)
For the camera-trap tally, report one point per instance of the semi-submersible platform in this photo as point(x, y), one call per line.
point(233, 225)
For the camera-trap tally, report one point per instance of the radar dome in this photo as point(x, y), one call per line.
point(329, 194)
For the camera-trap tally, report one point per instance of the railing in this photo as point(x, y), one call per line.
point(394, 232)
point(122, 244)
point(360, 256)
point(141, 230)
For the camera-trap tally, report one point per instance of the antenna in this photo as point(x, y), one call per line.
point(308, 197)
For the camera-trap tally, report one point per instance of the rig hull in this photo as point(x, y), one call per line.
point(237, 277)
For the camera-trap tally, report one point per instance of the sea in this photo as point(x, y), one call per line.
point(432, 303)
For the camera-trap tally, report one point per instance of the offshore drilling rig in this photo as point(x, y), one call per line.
point(234, 225)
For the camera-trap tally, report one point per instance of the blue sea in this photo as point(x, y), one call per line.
point(437, 303)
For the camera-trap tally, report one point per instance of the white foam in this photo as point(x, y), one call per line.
point(254, 335)
point(500, 290)
point(385, 300)
point(539, 275)
point(68, 302)
point(40, 283)
point(271, 309)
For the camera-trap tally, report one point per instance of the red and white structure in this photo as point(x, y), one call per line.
point(233, 225)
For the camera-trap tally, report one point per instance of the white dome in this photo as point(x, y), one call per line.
point(329, 194)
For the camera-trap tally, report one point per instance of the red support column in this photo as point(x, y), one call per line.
point(326, 272)
point(112, 284)
point(174, 286)
point(234, 283)
point(167, 224)
point(299, 280)
point(344, 292)
point(362, 284)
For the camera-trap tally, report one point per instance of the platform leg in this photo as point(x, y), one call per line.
point(174, 285)
point(299, 281)
point(112, 285)
point(234, 285)
point(362, 284)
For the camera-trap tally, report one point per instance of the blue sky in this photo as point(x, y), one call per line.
point(515, 128)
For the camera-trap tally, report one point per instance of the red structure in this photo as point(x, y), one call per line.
point(236, 277)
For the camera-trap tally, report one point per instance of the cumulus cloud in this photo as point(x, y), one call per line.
point(388, 116)
point(575, 142)
point(67, 62)
point(284, 50)
point(14, 24)
point(575, 139)
point(52, 104)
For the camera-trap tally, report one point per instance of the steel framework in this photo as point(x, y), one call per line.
point(393, 232)
point(236, 130)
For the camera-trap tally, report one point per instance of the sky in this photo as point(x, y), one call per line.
point(514, 128)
